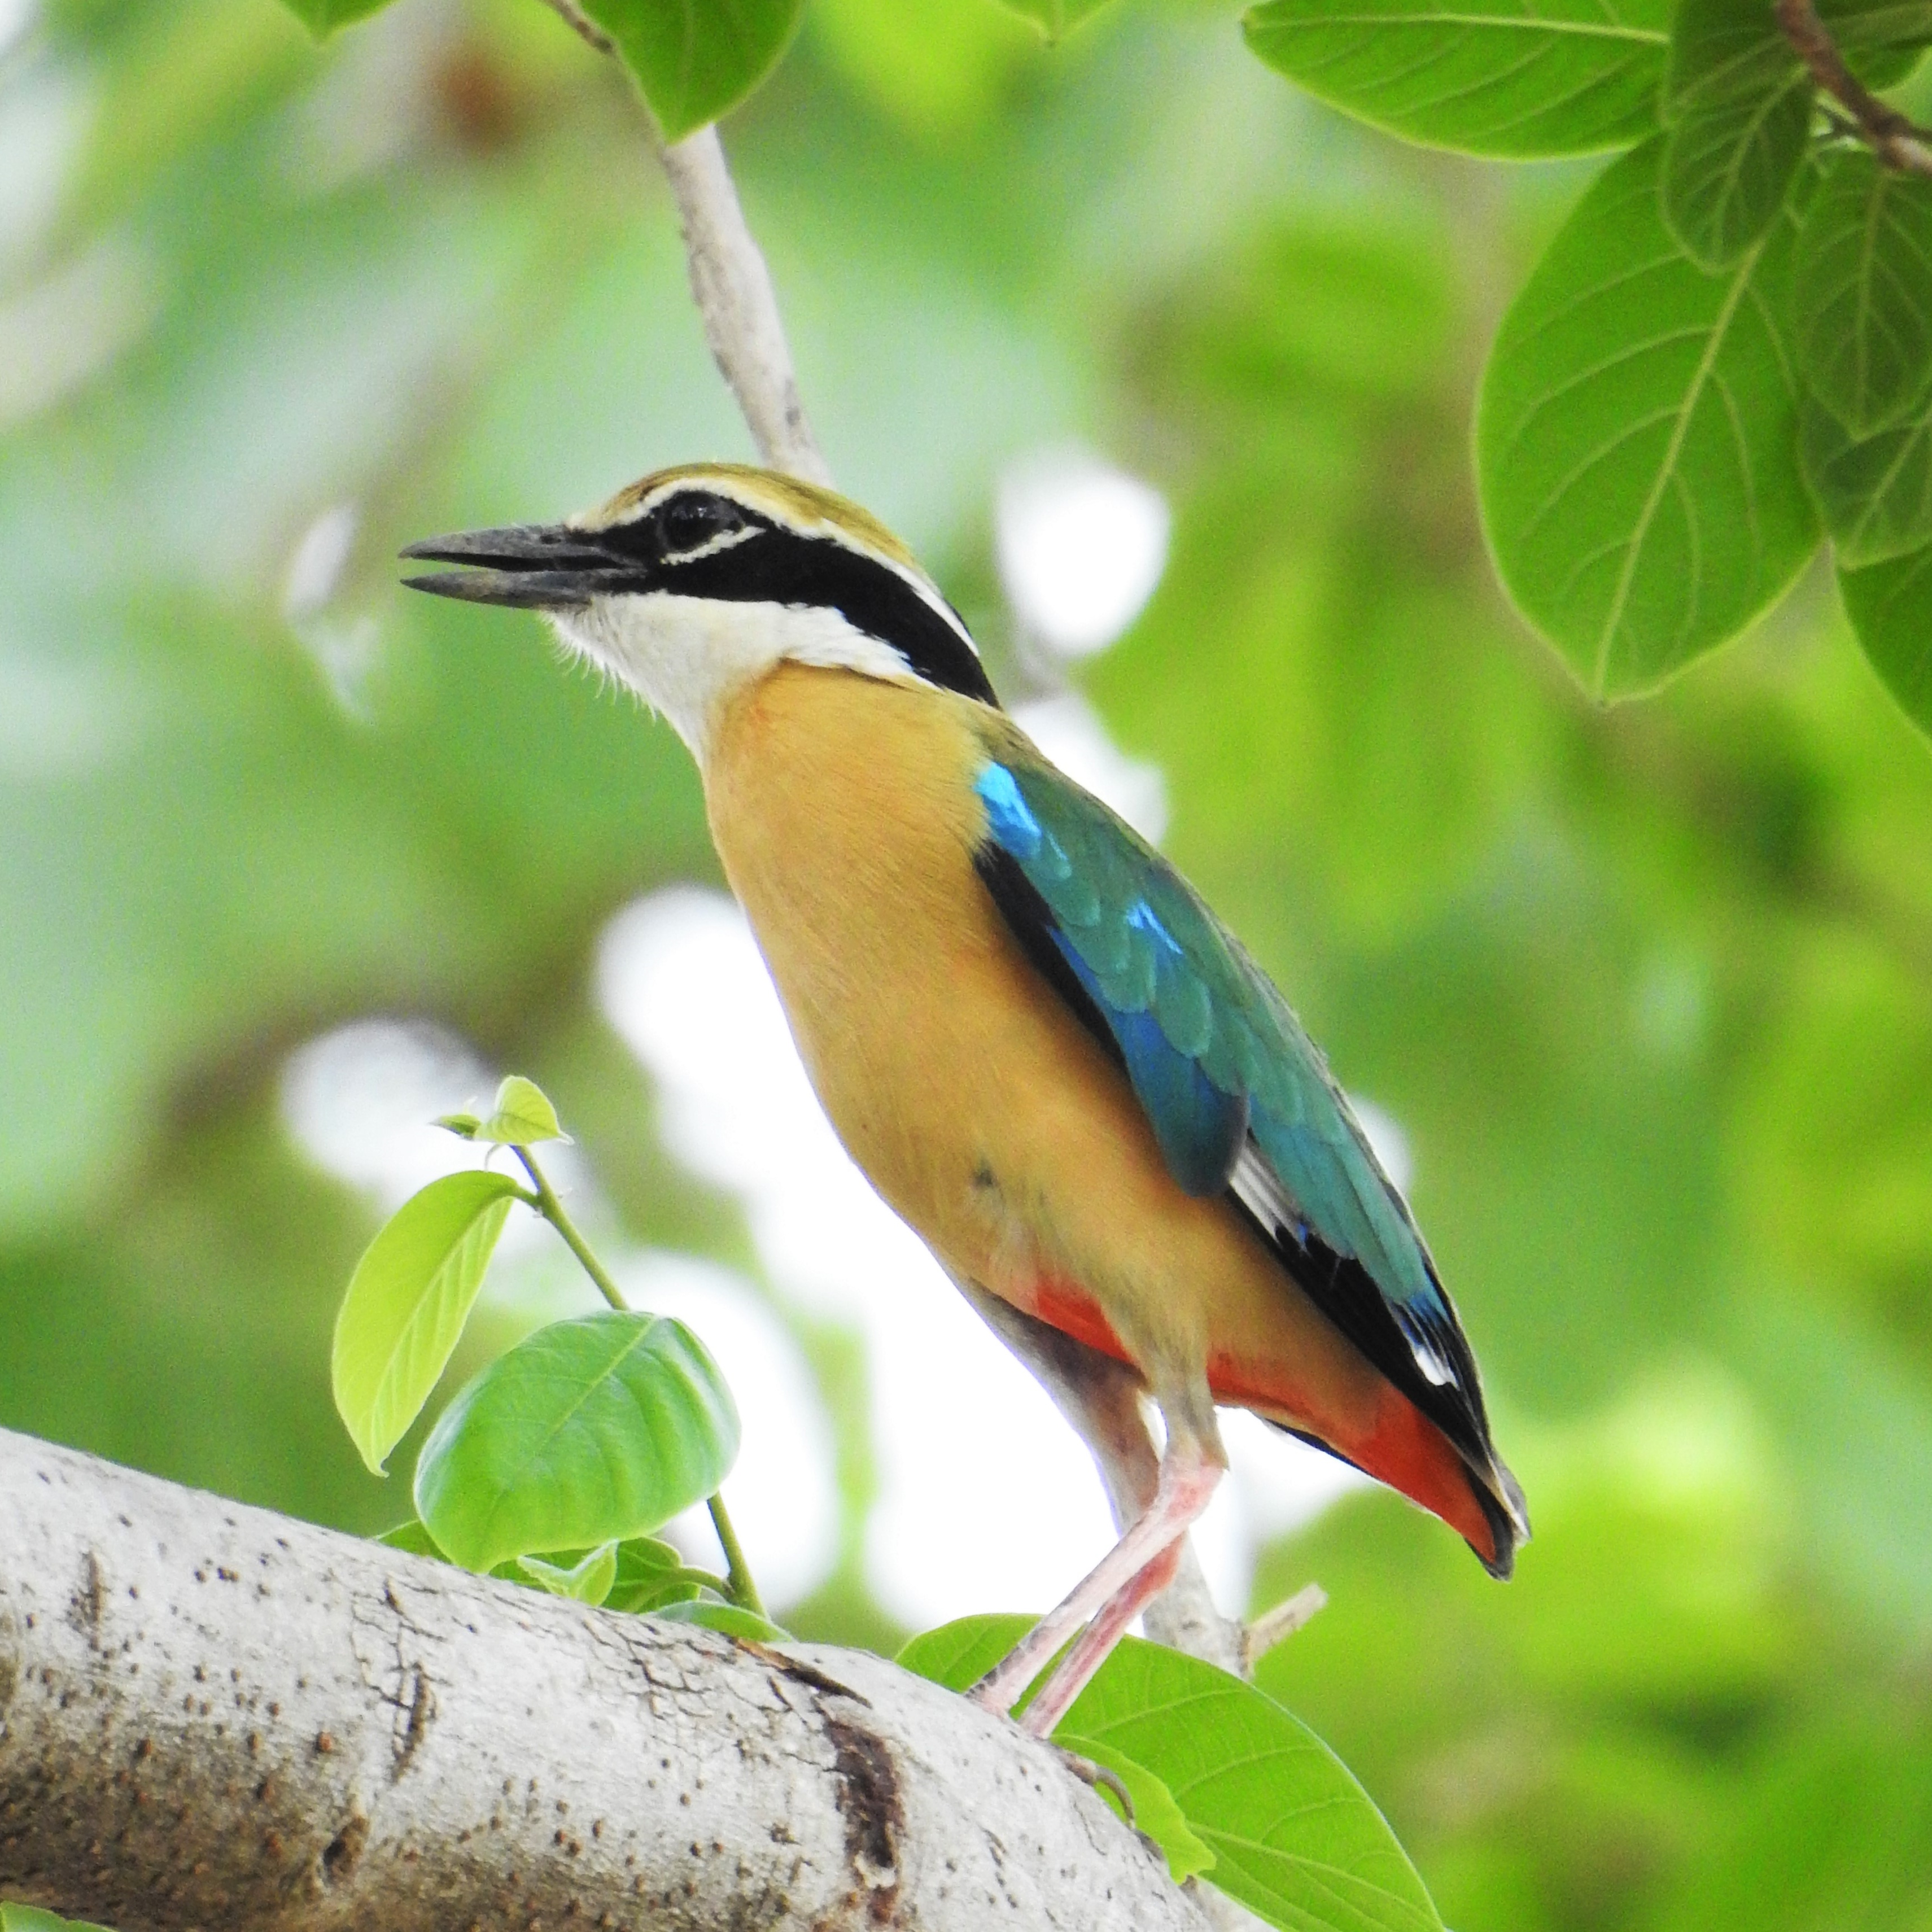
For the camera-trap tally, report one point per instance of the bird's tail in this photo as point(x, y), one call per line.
point(1499, 1496)
point(1474, 1494)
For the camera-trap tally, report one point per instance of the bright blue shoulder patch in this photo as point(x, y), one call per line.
point(1009, 816)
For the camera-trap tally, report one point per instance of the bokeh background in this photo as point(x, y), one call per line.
point(290, 861)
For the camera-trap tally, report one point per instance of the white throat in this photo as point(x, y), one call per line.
point(685, 656)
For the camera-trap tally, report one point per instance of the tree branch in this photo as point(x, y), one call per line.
point(585, 30)
point(211, 1716)
point(732, 289)
point(1897, 141)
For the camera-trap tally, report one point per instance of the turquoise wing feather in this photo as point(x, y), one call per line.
point(1238, 1095)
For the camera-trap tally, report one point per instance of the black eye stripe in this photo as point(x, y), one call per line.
point(679, 525)
point(777, 566)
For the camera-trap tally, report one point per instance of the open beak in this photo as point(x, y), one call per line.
point(530, 566)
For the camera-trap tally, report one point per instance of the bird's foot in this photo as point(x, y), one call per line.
point(1096, 1777)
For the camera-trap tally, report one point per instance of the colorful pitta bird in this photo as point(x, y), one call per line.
point(1044, 1051)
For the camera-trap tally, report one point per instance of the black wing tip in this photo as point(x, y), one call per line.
point(1500, 1497)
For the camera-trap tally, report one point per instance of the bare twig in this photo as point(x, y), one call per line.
point(217, 1718)
point(585, 30)
point(1277, 1625)
point(1897, 140)
point(733, 289)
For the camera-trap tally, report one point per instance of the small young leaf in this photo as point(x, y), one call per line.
point(726, 1617)
point(1728, 166)
point(413, 1539)
point(1055, 19)
point(322, 17)
point(1637, 440)
point(590, 1430)
point(643, 1559)
point(407, 1301)
point(587, 1581)
point(1862, 298)
point(1155, 1814)
point(695, 62)
point(1890, 605)
point(521, 1116)
point(1513, 78)
point(462, 1125)
point(1875, 492)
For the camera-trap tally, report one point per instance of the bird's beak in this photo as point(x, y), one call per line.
point(532, 566)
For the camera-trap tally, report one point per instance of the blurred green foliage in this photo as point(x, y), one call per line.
point(1650, 989)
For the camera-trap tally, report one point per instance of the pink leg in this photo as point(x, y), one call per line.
point(1097, 1641)
point(1188, 1474)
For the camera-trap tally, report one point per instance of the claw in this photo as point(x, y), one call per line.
point(1095, 1775)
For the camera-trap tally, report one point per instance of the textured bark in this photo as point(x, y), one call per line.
point(211, 1716)
point(733, 289)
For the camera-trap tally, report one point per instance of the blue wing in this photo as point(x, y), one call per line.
point(1237, 1094)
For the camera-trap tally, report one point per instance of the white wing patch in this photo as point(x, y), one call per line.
point(1259, 1189)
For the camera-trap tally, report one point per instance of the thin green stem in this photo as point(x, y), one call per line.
point(738, 1572)
point(552, 1210)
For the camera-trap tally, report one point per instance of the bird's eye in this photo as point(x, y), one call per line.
point(689, 522)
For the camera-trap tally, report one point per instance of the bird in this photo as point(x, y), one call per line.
point(1045, 1051)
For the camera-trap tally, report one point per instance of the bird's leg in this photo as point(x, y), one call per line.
point(1189, 1472)
point(1099, 1398)
point(1056, 1694)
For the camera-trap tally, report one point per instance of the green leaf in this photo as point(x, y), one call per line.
point(462, 1125)
point(958, 1654)
point(1055, 19)
point(644, 1568)
point(1518, 78)
point(1862, 301)
point(587, 1581)
point(696, 62)
point(1882, 40)
point(1295, 1838)
point(1725, 52)
point(1636, 441)
point(651, 1574)
point(1890, 605)
point(322, 17)
point(414, 1539)
point(592, 1429)
point(407, 1301)
point(726, 1617)
point(1156, 1814)
point(1728, 167)
point(32, 1919)
point(1875, 492)
point(521, 1116)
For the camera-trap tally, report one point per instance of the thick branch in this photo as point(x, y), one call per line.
point(211, 1716)
point(1897, 140)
